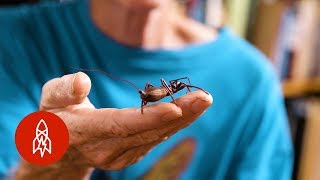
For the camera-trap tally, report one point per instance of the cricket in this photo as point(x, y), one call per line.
point(151, 93)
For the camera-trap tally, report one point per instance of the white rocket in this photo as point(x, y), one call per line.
point(41, 142)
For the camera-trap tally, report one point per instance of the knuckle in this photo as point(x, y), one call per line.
point(117, 128)
point(105, 161)
point(149, 136)
point(100, 161)
point(115, 167)
point(48, 85)
point(121, 163)
point(46, 94)
point(140, 138)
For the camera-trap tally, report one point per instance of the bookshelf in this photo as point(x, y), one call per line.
point(287, 32)
point(310, 159)
point(300, 88)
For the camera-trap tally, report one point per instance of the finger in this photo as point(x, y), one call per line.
point(122, 122)
point(68, 90)
point(133, 128)
point(190, 113)
point(193, 105)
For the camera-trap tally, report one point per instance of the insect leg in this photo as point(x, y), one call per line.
point(197, 88)
point(175, 80)
point(187, 86)
point(188, 89)
point(148, 85)
point(164, 84)
point(143, 103)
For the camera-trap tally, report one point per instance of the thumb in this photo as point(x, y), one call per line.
point(68, 90)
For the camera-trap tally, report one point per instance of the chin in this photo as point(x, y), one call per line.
point(143, 4)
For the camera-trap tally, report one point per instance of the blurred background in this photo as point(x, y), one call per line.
point(288, 33)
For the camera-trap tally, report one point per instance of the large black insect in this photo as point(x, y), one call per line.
point(151, 93)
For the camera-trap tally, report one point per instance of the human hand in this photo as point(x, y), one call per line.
point(108, 138)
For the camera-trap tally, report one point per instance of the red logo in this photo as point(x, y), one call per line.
point(42, 138)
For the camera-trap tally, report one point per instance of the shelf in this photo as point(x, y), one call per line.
point(298, 88)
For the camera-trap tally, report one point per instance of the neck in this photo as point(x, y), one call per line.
point(150, 28)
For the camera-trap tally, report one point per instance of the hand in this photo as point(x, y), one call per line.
point(108, 138)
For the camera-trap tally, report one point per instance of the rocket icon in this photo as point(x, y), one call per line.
point(41, 142)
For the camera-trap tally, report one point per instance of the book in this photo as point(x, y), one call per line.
point(237, 17)
point(196, 9)
point(310, 156)
point(315, 72)
point(305, 42)
point(283, 53)
point(264, 31)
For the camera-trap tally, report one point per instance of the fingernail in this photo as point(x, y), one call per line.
point(172, 115)
point(81, 87)
point(201, 104)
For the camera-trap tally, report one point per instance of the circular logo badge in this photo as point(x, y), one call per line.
point(42, 138)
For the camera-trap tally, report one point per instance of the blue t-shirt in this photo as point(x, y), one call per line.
point(243, 135)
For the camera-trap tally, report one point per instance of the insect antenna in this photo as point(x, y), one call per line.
point(108, 74)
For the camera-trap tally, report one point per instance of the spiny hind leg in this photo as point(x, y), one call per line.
point(165, 85)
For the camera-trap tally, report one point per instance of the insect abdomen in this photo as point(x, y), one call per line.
point(155, 94)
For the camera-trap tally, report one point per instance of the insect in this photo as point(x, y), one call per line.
point(151, 93)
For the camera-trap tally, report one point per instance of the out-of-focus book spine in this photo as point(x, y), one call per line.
point(196, 9)
point(317, 56)
point(305, 39)
point(316, 60)
point(265, 28)
point(238, 15)
point(283, 53)
point(310, 155)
